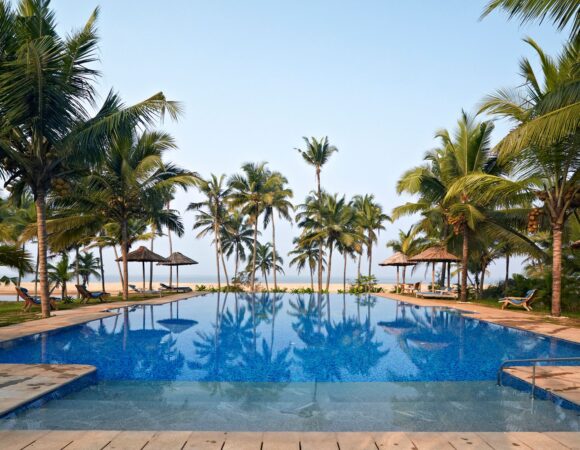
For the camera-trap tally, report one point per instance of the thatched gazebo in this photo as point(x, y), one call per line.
point(143, 255)
point(398, 260)
point(177, 259)
point(434, 255)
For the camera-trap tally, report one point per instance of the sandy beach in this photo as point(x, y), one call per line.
point(115, 287)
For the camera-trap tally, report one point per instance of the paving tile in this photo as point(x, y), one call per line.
point(93, 440)
point(17, 439)
point(55, 440)
point(243, 441)
point(318, 441)
point(130, 440)
point(201, 440)
point(394, 440)
point(503, 440)
point(569, 439)
point(539, 441)
point(356, 441)
point(168, 440)
point(281, 441)
point(431, 441)
point(462, 441)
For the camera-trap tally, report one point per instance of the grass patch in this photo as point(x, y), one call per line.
point(11, 312)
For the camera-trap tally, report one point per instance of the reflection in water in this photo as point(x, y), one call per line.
point(286, 338)
point(291, 362)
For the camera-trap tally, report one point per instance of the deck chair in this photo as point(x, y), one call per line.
point(135, 289)
point(165, 287)
point(524, 302)
point(30, 300)
point(87, 295)
point(443, 295)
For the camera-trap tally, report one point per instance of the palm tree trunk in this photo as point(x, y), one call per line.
point(266, 279)
point(170, 250)
point(404, 274)
point(274, 252)
point(254, 254)
point(217, 255)
point(77, 268)
point(465, 257)
point(124, 251)
point(312, 279)
point(329, 266)
point(237, 262)
point(359, 263)
point(556, 270)
point(40, 204)
point(483, 269)
point(443, 273)
point(102, 269)
point(151, 266)
point(449, 274)
point(36, 271)
point(507, 273)
point(219, 240)
point(344, 274)
point(397, 286)
point(370, 253)
point(118, 263)
point(320, 243)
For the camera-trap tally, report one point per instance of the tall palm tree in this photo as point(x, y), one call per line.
point(211, 216)
point(236, 238)
point(278, 203)
point(251, 192)
point(305, 254)
point(370, 217)
point(60, 274)
point(317, 153)
point(561, 12)
point(47, 87)
point(543, 148)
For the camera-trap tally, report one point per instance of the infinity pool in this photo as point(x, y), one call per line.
point(291, 362)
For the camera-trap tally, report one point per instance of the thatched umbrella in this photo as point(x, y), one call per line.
point(434, 255)
point(398, 260)
point(143, 255)
point(177, 259)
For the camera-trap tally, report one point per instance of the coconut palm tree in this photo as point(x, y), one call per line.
point(305, 254)
point(236, 238)
point(87, 266)
point(544, 156)
point(278, 203)
point(560, 12)
point(408, 243)
point(129, 185)
point(265, 262)
point(211, 216)
point(60, 274)
point(317, 153)
point(251, 191)
point(47, 88)
point(370, 217)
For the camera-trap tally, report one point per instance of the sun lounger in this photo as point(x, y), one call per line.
point(524, 302)
point(141, 291)
point(165, 287)
point(87, 295)
point(30, 300)
point(449, 293)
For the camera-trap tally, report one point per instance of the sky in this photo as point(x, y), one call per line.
point(377, 77)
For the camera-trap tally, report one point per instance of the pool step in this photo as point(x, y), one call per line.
point(24, 384)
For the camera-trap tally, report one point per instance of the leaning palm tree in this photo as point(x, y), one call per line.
point(251, 191)
point(47, 88)
point(211, 216)
point(370, 217)
point(560, 12)
point(543, 148)
point(60, 274)
point(86, 266)
point(317, 154)
point(278, 203)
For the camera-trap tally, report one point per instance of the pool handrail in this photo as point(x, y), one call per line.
point(535, 362)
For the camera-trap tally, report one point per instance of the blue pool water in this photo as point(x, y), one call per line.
point(295, 363)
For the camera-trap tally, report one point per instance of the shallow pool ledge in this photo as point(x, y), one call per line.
point(23, 384)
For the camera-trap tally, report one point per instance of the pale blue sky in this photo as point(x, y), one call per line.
point(377, 77)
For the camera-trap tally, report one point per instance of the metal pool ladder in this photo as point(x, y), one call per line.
point(514, 362)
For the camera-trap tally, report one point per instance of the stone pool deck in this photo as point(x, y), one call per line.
point(21, 384)
point(185, 440)
point(70, 317)
point(562, 381)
